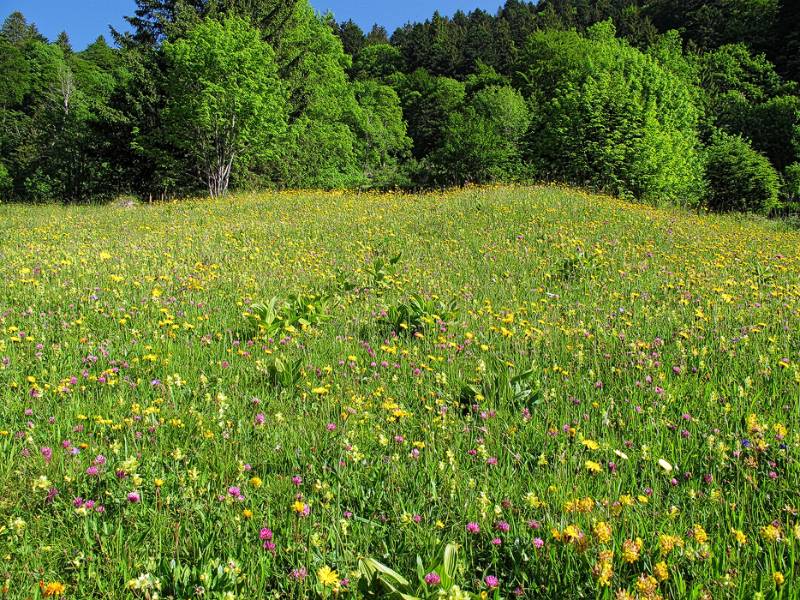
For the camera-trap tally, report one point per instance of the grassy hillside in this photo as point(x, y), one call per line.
point(585, 396)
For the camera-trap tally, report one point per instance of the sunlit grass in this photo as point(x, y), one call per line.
point(585, 395)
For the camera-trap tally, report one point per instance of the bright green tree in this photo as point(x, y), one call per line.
point(383, 141)
point(483, 143)
point(428, 102)
point(611, 117)
point(227, 105)
point(320, 149)
point(739, 178)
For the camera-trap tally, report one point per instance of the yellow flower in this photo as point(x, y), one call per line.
point(661, 571)
point(770, 533)
point(739, 536)
point(778, 578)
point(603, 570)
point(590, 444)
point(256, 482)
point(631, 549)
point(700, 534)
point(53, 589)
point(592, 466)
point(247, 513)
point(602, 531)
point(327, 576)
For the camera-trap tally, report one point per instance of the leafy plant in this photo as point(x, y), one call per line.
point(299, 311)
point(418, 313)
point(573, 267)
point(502, 388)
point(739, 178)
point(379, 581)
point(381, 271)
point(281, 373)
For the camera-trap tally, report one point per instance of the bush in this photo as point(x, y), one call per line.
point(482, 143)
point(738, 177)
point(6, 183)
point(791, 187)
point(608, 116)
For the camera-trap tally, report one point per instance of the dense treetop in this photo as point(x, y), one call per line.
point(649, 99)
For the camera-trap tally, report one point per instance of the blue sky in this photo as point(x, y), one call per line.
point(84, 20)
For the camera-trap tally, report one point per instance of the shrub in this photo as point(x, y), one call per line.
point(6, 183)
point(738, 177)
point(482, 143)
point(611, 117)
point(791, 186)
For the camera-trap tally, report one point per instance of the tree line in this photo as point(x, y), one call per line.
point(683, 101)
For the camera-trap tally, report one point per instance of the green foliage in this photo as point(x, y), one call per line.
point(711, 23)
point(612, 97)
point(428, 102)
point(281, 373)
point(611, 117)
point(378, 61)
point(739, 178)
point(376, 580)
point(381, 271)
point(791, 186)
point(6, 183)
point(417, 314)
point(734, 68)
point(297, 312)
point(14, 75)
point(383, 142)
point(226, 105)
point(321, 149)
point(483, 143)
point(744, 95)
point(500, 385)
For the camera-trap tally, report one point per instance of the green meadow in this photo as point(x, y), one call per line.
point(510, 392)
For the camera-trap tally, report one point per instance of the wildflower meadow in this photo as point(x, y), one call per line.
point(506, 392)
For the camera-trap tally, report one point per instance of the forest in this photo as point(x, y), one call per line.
point(687, 102)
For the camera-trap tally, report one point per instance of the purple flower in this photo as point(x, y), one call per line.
point(433, 578)
point(473, 527)
point(491, 582)
point(134, 497)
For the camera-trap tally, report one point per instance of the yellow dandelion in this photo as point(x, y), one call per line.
point(327, 576)
point(592, 466)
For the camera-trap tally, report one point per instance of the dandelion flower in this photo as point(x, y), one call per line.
point(327, 576)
